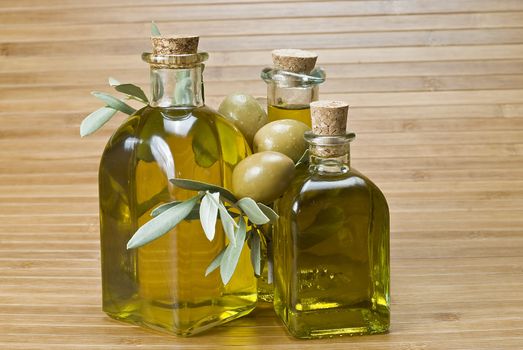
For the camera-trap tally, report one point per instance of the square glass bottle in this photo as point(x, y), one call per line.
point(331, 247)
point(162, 285)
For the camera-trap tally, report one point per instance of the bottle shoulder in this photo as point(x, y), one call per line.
point(179, 122)
point(167, 135)
point(311, 181)
point(353, 183)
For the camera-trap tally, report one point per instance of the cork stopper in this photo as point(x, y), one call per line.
point(329, 117)
point(175, 45)
point(293, 60)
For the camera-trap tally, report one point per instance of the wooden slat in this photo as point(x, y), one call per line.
point(213, 28)
point(266, 42)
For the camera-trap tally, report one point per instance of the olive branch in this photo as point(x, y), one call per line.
point(210, 202)
point(98, 118)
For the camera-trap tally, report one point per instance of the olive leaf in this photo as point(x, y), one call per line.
point(229, 141)
point(255, 245)
point(146, 205)
point(204, 144)
point(227, 220)
point(133, 91)
point(271, 214)
point(232, 253)
point(209, 213)
point(194, 185)
point(113, 81)
point(253, 211)
point(114, 102)
point(183, 89)
point(215, 263)
point(157, 85)
point(160, 209)
point(155, 31)
point(228, 224)
point(96, 120)
point(162, 223)
point(193, 215)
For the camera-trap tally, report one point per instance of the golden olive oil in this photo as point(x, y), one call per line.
point(288, 97)
point(265, 283)
point(302, 114)
point(162, 285)
point(331, 256)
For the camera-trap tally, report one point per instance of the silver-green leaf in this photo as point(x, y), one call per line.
point(255, 214)
point(228, 224)
point(215, 263)
point(132, 90)
point(271, 214)
point(114, 102)
point(160, 209)
point(113, 82)
point(183, 89)
point(193, 215)
point(155, 31)
point(203, 186)
point(256, 253)
point(162, 224)
point(96, 120)
point(232, 253)
point(209, 213)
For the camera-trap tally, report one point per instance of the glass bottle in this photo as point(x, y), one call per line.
point(331, 252)
point(162, 285)
point(292, 84)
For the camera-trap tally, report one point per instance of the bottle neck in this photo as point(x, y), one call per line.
point(329, 155)
point(289, 97)
point(292, 90)
point(177, 87)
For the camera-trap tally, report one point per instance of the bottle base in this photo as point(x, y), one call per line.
point(335, 323)
point(169, 320)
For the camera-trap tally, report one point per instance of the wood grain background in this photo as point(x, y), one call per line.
point(436, 89)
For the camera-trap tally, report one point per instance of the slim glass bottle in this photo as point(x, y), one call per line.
point(331, 252)
point(292, 84)
point(162, 285)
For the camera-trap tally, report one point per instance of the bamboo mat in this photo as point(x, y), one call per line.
point(436, 89)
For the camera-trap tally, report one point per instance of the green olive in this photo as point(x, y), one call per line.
point(245, 113)
point(262, 176)
point(284, 136)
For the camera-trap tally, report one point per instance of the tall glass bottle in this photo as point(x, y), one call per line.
point(162, 285)
point(331, 252)
point(292, 84)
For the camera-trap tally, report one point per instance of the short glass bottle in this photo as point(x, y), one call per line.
point(289, 94)
point(162, 285)
point(331, 254)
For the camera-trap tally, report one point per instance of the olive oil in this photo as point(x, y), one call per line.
point(331, 248)
point(336, 231)
point(299, 113)
point(265, 282)
point(162, 285)
point(292, 84)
